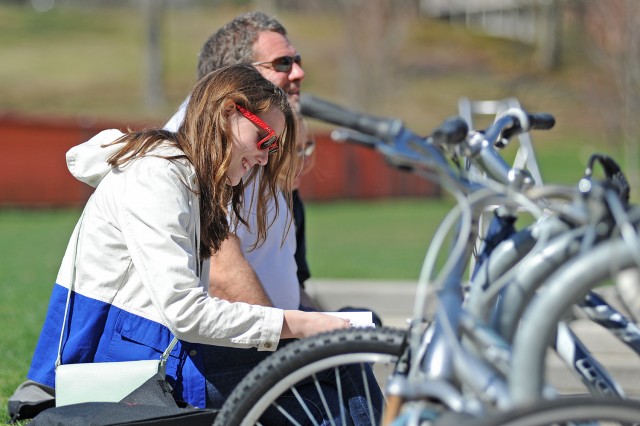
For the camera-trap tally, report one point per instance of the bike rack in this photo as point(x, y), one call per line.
point(525, 157)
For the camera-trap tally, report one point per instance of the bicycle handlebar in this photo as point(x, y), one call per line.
point(405, 149)
point(511, 123)
point(515, 121)
point(381, 128)
point(541, 121)
point(358, 138)
point(452, 131)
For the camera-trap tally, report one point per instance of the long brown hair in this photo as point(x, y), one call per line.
point(205, 138)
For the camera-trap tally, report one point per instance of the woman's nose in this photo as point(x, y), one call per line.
point(263, 157)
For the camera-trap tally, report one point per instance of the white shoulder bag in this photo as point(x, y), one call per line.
point(101, 381)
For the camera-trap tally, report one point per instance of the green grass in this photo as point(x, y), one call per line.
point(33, 243)
point(374, 239)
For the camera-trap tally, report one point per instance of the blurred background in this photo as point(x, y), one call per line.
point(96, 63)
point(70, 68)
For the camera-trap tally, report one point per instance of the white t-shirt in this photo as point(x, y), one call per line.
point(273, 261)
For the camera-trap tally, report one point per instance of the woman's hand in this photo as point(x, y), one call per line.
point(299, 324)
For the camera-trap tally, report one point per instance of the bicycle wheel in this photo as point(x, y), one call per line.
point(568, 411)
point(273, 387)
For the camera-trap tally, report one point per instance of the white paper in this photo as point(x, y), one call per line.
point(357, 319)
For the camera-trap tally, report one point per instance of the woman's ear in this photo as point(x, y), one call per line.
point(229, 106)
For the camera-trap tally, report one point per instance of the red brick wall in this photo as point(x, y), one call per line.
point(348, 171)
point(33, 171)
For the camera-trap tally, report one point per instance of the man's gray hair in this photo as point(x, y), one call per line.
point(233, 43)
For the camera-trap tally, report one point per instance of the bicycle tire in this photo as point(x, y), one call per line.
point(299, 360)
point(566, 411)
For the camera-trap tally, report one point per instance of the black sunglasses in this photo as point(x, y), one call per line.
point(283, 63)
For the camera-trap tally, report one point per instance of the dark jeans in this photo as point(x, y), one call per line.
point(225, 367)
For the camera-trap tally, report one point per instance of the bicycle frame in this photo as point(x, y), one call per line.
point(473, 339)
point(584, 272)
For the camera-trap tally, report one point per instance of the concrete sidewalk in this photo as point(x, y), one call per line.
point(394, 302)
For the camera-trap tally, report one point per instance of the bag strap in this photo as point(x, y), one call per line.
point(165, 354)
point(73, 279)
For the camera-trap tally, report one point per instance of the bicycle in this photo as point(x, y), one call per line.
point(434, 365)
point(301, 361)
point(567, 411)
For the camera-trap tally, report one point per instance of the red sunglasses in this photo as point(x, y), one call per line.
point(270, 141)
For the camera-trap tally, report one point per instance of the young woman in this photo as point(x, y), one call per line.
point(138, 258)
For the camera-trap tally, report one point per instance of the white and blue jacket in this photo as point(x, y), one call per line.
point(138, 277)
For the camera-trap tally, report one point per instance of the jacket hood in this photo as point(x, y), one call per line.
point(87, 162)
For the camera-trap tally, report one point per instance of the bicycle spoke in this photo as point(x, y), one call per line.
point(303, 405)
point(287, 415)
point(323, 399)
point(320, 371)
point(336, 373)
point(367, 392)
